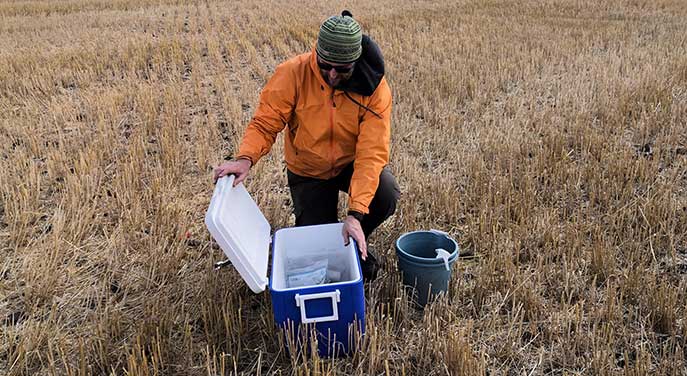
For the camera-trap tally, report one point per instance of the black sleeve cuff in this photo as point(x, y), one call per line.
point(356, 215)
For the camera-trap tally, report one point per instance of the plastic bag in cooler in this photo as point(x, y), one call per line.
point(306, 271)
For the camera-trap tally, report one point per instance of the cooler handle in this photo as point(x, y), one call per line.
point(334, 295)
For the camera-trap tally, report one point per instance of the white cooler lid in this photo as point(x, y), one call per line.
point(241, 230)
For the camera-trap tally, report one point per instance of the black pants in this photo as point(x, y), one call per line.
point(315, 201)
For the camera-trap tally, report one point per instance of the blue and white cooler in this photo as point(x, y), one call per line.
point(315, 278)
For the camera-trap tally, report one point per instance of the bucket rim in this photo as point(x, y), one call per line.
point(424, 260)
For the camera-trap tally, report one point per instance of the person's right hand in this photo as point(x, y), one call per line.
point(353, 229)
point(239, 168)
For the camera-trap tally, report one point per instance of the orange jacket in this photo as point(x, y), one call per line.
point(326, 129)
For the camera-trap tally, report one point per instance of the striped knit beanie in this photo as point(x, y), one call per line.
point(339, 39)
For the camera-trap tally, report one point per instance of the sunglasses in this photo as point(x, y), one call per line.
point(339, 69)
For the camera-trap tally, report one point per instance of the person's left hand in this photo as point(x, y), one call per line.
point(353, 229)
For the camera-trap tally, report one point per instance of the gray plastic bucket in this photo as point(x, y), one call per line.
point(423, 271)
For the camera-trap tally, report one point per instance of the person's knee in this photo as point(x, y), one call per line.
point(389, 191)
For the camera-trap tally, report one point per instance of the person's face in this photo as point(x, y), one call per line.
point(335, 74)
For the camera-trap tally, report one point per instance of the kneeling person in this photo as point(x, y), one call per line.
point(336, 106)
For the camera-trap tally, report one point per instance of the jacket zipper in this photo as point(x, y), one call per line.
point(331, 134)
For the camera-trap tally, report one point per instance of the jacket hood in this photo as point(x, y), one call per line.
point(369, 70)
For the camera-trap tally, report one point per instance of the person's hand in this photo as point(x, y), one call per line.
point(352, 228)
point(239, 168)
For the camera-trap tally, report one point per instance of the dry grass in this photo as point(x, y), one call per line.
point(549, 137)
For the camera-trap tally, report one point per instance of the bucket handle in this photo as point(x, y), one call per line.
point(334, 295)
point(439, 232)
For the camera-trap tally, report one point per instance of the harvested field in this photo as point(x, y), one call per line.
point(548, 137)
